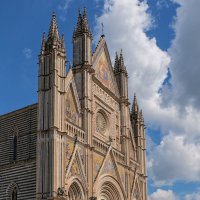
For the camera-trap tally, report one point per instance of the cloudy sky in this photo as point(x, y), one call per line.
point(161, 44)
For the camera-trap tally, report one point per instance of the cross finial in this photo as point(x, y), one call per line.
point(102, 29)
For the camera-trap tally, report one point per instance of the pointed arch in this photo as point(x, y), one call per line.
point(75, 190)
point(115, 172)
point(107, 188)
point(12, 191)
point(13, 141)
point(15, 147)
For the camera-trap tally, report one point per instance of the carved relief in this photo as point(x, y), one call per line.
point(101, 123)
point(105, 97)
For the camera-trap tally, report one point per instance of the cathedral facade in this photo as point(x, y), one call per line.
point(80, 141)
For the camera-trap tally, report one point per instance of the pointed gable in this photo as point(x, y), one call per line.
point(75, 166)
point(111, 168)
point(136, 194)
point(103, 67)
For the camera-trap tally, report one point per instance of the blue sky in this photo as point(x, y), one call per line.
point(157, 36)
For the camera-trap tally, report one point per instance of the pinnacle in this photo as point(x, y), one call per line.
point(141, 116)
point(43, 42)
point(82, 24)
point(63, 41)
point(119, 64)
point(121, 60)
point(53, 37)
point(135, 108)
point(85, 12)
point(53, 30)
point(116, 62)
point(44, 36)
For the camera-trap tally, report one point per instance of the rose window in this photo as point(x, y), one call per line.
point(100, 123)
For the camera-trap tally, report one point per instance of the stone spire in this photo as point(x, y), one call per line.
point(82, 41)
point(43, 43)
point(53, 40)
point(119, 64)
point(121, 60)
point(85, 26)
point(63, 42)
point(116, 62)
point(135, 108)
point(141, 117)
point(53, 30)
point(122, 67)
point(82, 25)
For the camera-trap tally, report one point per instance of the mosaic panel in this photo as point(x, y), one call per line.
point(71, 110)
point(98, 160)
point(69, 150)
point(122, 174)
point(102, 70)
point(109, 167)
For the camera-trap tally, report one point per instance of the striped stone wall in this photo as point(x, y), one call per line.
point(21, 171)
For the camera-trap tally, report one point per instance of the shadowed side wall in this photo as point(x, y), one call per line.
point(18, 161)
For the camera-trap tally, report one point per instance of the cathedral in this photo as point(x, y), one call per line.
point(82, 140)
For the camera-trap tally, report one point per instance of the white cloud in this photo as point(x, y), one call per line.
point(193, 196)
point(175, 159)
point(125, 24)
point(163, 195)
point(162, 4)
point(63, 9)
point(180, 151)
point(177, 115)
point(184, 52)
point(27, 53)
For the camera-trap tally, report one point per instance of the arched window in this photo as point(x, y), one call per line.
point(15, 148)
point(14, 194)
point(75, 192)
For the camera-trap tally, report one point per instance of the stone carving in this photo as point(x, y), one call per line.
point(101, 123)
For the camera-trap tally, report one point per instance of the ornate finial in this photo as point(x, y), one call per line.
point(122, 67)
point(43, 42)
point(141, 116)
point(121, 58)
point(116, 62)
point(82, 24)
point(44, 36)
point(53, 31)
point(63, 41)
point(102, 30)
point(135, 105)
point(84, 11)
point(79, 12)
